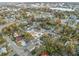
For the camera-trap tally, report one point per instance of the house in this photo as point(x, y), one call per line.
point(3, 50)
point(36, 42)
point(17, 36)
point(30, 46)
point(44, 53)
point(72, 17)
point(77, 21)
point(22, 43)
point(64, 22)
point(35, 34)
point(57, 21)
point(28, 14)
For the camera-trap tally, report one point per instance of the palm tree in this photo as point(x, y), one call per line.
point(1, 39)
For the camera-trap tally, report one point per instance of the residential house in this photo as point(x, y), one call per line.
point(3, 50)
point(17, 36)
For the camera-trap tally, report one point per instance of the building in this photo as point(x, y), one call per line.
point(35, 34)
point(44, 53)
point(3, 50)
point(17, 36)
point(21, 43)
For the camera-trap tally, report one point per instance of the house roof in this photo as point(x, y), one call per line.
point(19, 38)
point(44, 53)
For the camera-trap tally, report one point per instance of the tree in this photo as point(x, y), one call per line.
point(10, 29)
point(58, 21)
point(2, 21)
point(5, 31)
point(1, 39)
point(47, 24)
point(28, 36)
point(70, 48)
point(51, 45)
